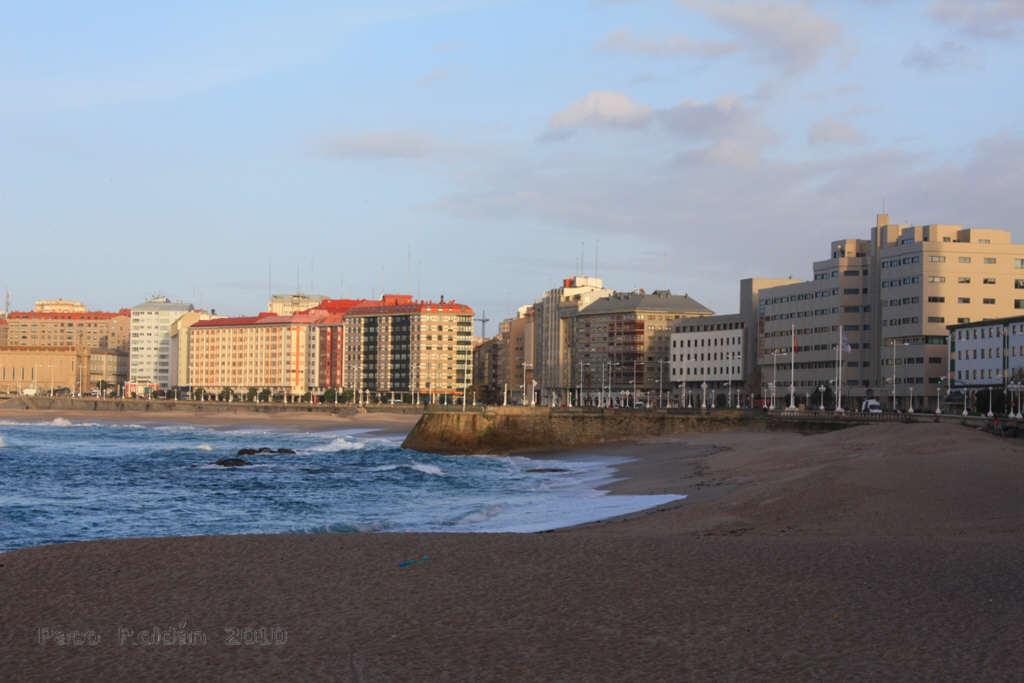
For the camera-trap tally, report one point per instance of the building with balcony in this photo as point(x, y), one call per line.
point(400, 349)
point(150, 352)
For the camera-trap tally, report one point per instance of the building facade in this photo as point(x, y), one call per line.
point(41, 370)
point(59, 306)
point(554, 317)
point(150, 352)
point(709, 351)
point(878, 309)
point(286, 304)
point(621, 346)
point(400, 349)
point(76, 329)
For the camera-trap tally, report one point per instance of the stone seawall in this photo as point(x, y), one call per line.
point(512, 430)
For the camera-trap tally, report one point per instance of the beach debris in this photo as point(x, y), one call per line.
point(233, 462)
point(408, 563)
point(545, 470)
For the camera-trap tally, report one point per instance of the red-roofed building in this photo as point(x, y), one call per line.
point(398, 348)
point(290, 354)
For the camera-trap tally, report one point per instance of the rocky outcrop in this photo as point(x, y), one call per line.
point(233, 462)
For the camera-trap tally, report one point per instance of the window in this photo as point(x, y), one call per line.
point(937, 278)
point(964, 280)
point(964, 259)
point(1018, 263)
point(988, 301)
point(939, 259)
point(1018, 303)
point(940, 299)
point(963, 299)
point(936, 319)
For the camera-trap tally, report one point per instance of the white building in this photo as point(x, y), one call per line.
point(150, 351)
point(987, 353)
point(708, 350)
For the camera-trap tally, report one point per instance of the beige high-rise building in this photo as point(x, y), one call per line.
point(180, 345)
point(400, 348)
point(621, 346)
point(3, 331)
point(286, 304)
point(891, 297)
point(554, 317)
point(59, 306)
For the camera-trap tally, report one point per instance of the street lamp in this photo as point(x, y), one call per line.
point(989, 413)
point(821, 397)
point(938, 398)
point(964, 392)
point(892, 341)
point(911, 409)
point(704, 395)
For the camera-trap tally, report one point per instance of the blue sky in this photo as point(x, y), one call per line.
point(475, 148)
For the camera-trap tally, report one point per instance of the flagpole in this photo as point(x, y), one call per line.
point(792, 365)
point(839, 380)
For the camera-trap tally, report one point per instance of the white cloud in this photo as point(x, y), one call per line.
point(625, 41)
point(376, 145)
point(829, 131)
point(982, 18)
point(598, 109)
point(791, 35)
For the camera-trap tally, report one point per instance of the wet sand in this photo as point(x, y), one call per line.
point(883, 552)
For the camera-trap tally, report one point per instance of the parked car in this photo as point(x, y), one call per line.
point(871, 406)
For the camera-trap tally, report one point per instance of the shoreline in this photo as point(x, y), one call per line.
point(882, 552)
point(389, 423)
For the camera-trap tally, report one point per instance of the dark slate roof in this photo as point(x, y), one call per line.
point(660, 300)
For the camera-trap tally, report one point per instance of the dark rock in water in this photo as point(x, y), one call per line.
point(246, 451)
point(544, 470)
point(264, 449)
point(285, 451)
point(233, 462)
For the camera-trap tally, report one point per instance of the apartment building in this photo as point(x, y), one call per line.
point(150, 353)
point(397, 348)
point(889, 299)
point(709, 351)
point(266, 351)
point(554, 317)
point(487, 361)
point(180, 345)
point(3, 331)
point(621, 342)
point(75, 329)
point(331, 340)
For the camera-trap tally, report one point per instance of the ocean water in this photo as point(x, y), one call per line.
point(66, 481)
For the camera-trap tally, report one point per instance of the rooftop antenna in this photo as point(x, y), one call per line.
point(7, 303)
point(483, 320)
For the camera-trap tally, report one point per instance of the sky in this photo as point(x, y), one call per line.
point(484, 150)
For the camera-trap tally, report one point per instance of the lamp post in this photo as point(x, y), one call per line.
point(821, 397)
point(989, 413)
point(911, 408)
point(964, 392)
point(938, 398)
point(634, 382)
point(704, 395)
point(661, 396)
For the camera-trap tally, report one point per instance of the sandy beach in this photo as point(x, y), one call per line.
point(880, 552)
